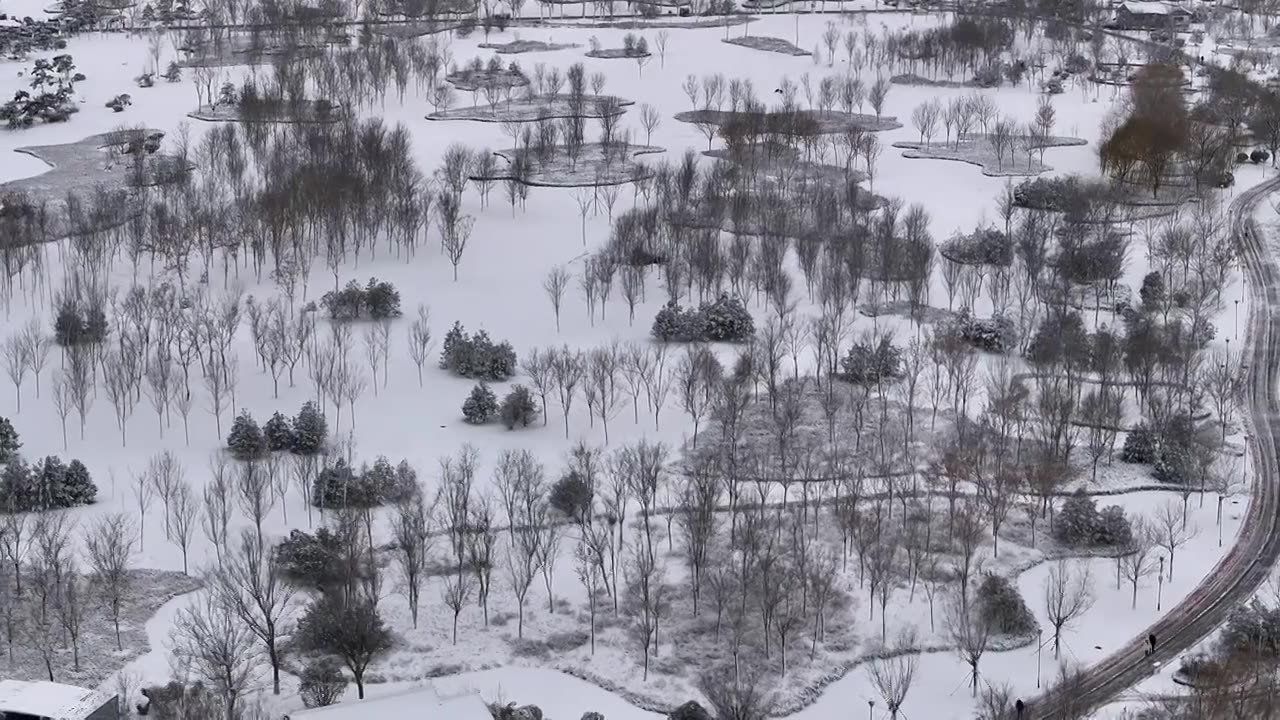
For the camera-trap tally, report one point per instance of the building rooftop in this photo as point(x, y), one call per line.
point(48, 700)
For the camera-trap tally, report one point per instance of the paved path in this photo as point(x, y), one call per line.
point(1244, 568)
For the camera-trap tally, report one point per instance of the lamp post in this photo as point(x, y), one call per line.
point(1160, 584)
point(1039, 652)
point(1221, 496)
point(871, 708)
point(1237, 320)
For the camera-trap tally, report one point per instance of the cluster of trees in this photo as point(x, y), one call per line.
point(724, 320)
point(50, 100)
point(49, 484)
point(305, 434)
point(339, 485)
point(379, 300)
point(965, 115)
point(518, 406)
point(1160, 138)
point(476, 356)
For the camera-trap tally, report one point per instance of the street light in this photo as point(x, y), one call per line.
point(1237, 322)
point(1160, 584)
point(871, 708)
point(1039, 652)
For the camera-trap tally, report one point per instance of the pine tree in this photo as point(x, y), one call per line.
point(518, 408)
point(480, 406)
point(278, 433)
point(77, 485)
point(9, 442)
point(309, 430)
point(245, 440)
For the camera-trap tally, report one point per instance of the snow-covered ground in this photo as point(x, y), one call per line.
point(500, 290)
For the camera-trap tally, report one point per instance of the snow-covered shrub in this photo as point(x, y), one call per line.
point(179, 700)
point(310, 561)
point(245, 440)
point(278, 433)
point(1174, 464)
point(727, 320)
point(1076, 519)
point(1113, 528)
point(562, 642)
point(1140, 445)
point(78, 325)
point(518, 408)
point(866, 363)
point(993, 335)
point(1002, 607)
point(480, 406)
point(675, 324)
point(476, 356)
point(322, 682)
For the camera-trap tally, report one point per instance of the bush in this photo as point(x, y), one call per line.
point(377, 300)
point(1113, 529)
point(476, 356)
point(727, 320)
point(480, 406)
point(310, 430)
point(76, 325)
point(1242, 157)
point(869, 364)
point(1001, 606)
point(310, 561)
point(322, 682)
point(518, 408)
point(278, 433)
point(1140, 445)
point(993, 335)
point(572, 496)
point(1080, 523)
point(177, 701)
point(245, 441)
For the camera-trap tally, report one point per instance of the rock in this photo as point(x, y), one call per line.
point(528, 712)
point(689, 711)
point(592, 716)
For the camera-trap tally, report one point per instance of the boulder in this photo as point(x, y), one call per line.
point(527, 712)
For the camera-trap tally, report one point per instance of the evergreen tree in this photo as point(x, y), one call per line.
point(278, 433)
point(518, 408)
point(78, 487)
point(15, 487)
point(9, 442)
point(309, 430)
point(480, 406)
point(245, 440)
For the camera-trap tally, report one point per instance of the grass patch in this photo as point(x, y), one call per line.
point(768, 44)
point(976, 149)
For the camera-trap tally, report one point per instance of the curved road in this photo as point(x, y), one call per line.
point(1247, 564)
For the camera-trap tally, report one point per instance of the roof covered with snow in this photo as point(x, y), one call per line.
point(1136, 7)
point(414, 704)
point(48, 700)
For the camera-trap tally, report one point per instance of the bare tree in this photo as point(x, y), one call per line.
point(183, 511)
point(521, 568)
point(456, 593)
point(254, 492)
point(568, 369)
point(143, 495)
point(80, 381)
point(1135, 563)
point(738, 693)
point(62, 403)
point(1171, 530)
point(71, 609)
point(409, 528)
point(16, 362)
point(218, 648)
point(555, 284)
point(1068, 595)
point(109, 545)
point(891, 674)
point(420, 341)
point(250, 587)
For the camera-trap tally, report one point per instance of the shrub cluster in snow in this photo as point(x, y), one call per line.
point(1080, 523)
point(305, 434)
point(378, 300)
point(725, 320)
point(476, 356)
